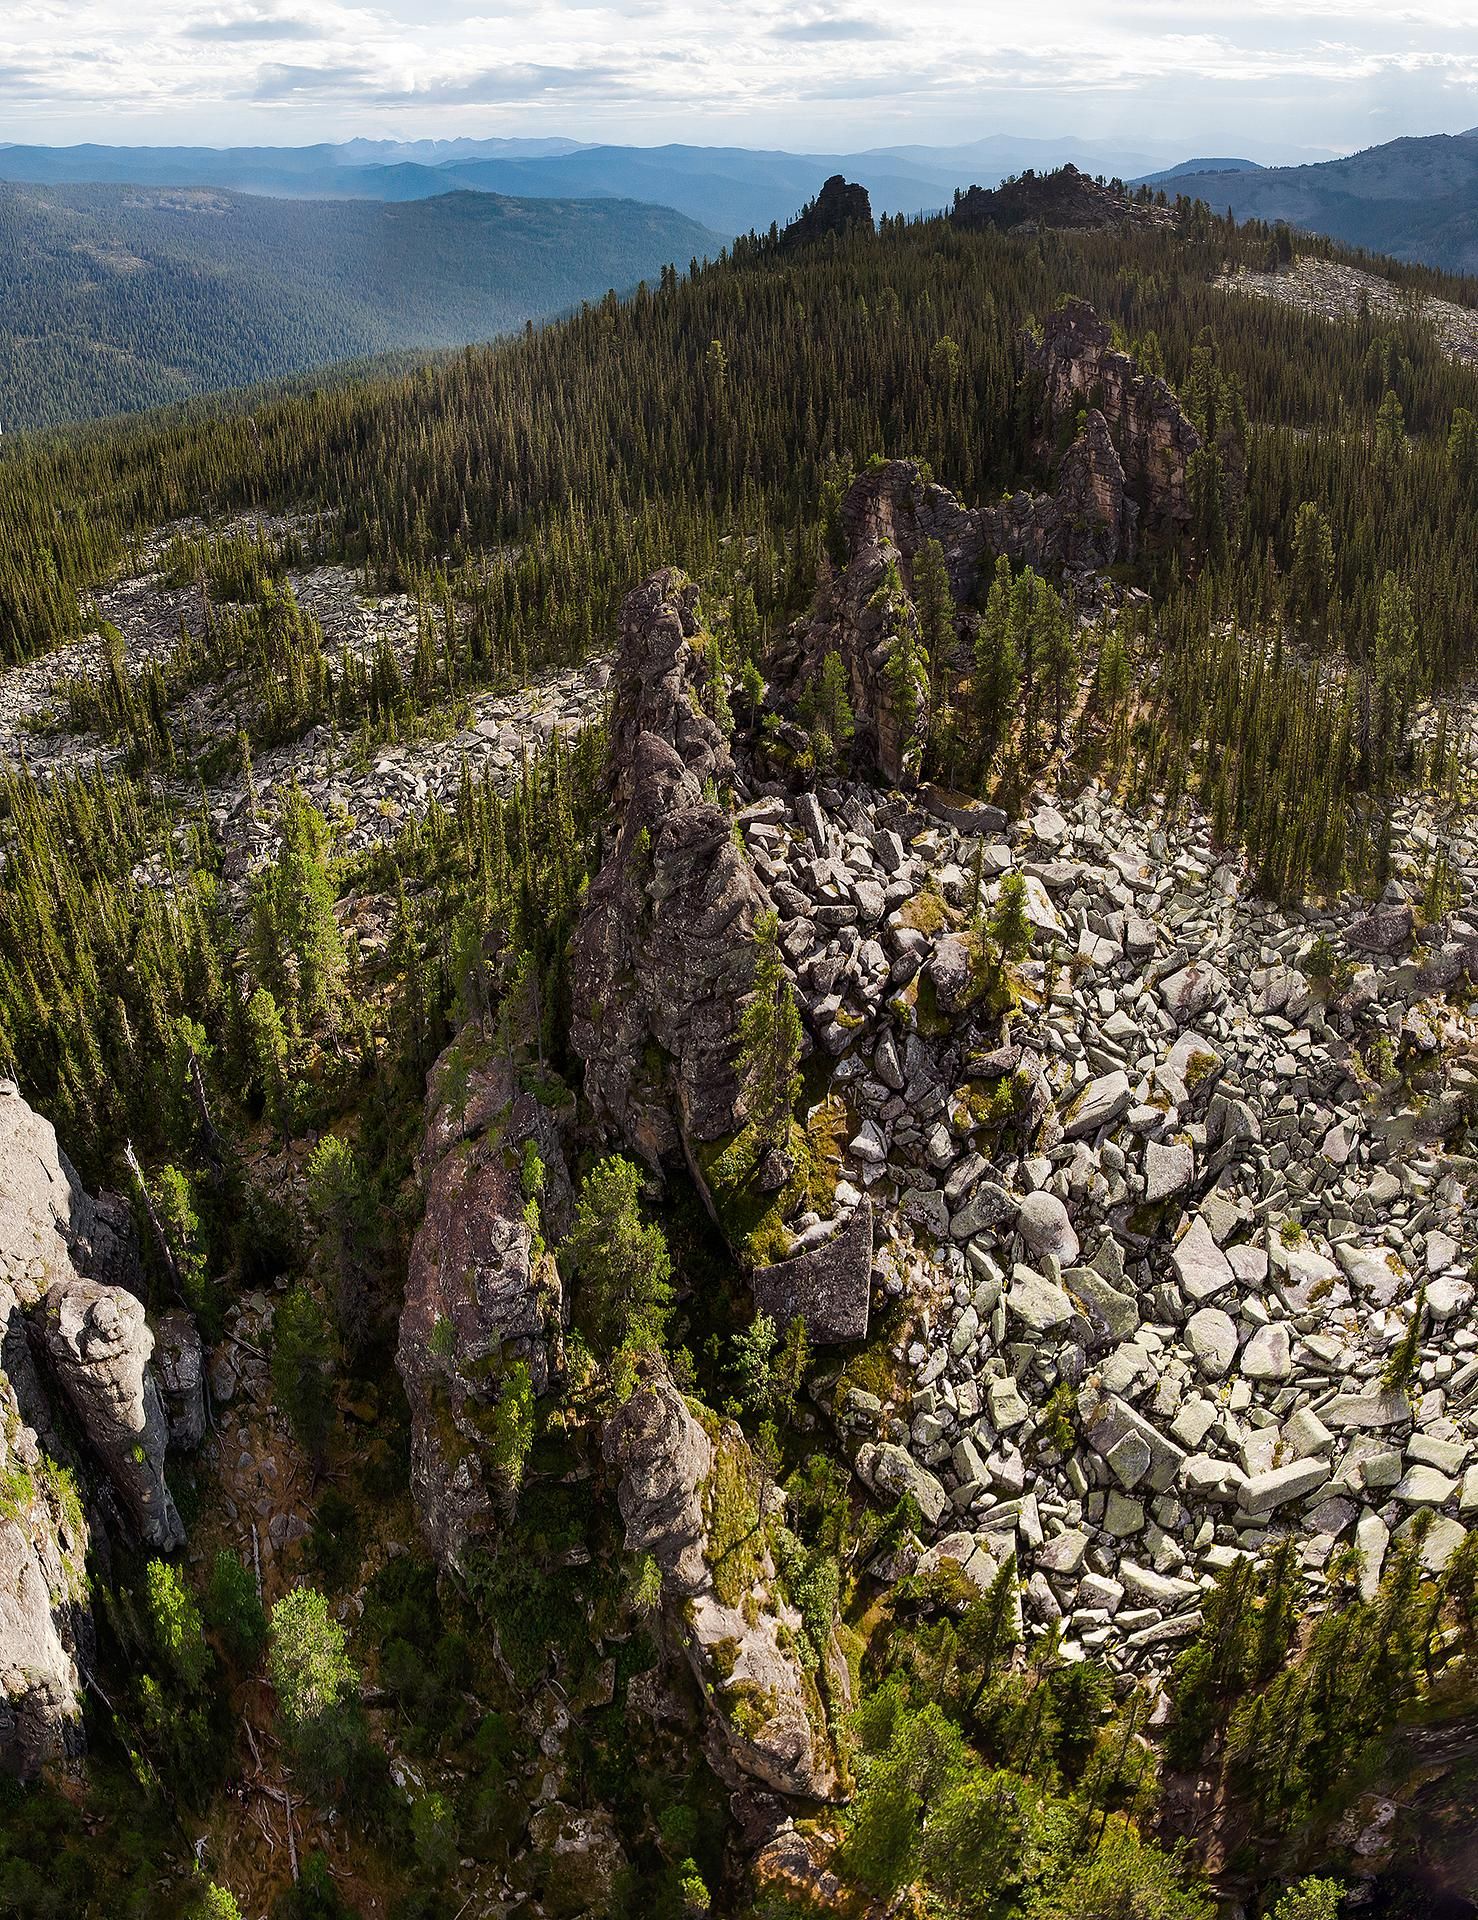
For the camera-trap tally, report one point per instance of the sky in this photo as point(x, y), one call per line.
point(1271, 79)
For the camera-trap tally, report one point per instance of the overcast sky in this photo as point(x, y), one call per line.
point(1266, 78)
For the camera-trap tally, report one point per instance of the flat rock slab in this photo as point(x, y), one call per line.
point(829, 1286)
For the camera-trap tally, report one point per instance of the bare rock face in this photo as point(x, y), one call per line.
point(829, 1286)
point(98, 1345)
point(682, 1481)
point(482, 1291)
point(69, 1332)
point(1079, 367)
point(49, 1223)
point(665, 1459)
point(663, 952)
point(44, 1621)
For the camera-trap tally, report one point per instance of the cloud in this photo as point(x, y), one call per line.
point(498, 86)
point(281, 82)
point(832, 26)
point(254, 26)
point(1262, 75)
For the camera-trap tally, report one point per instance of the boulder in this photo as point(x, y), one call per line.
point(1044, 1226)
point(829, 1286)
point(1384, 931)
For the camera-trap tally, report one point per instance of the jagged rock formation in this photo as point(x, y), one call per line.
point(841, 204)
point(887, 514)
point(1123, 476)
point(1087, 523)
point(662, 955)
point(482, 1290)
point(98, 1344)
point(1065, 198)
point(1078, 366)
point(684, 1482)
point(74, 1354)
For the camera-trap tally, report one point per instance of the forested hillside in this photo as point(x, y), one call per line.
point(1411, 199)
point(738, 1080)
point(123, 297)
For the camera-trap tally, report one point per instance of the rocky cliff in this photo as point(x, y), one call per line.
point(692, 1496)
point(483, 1294)
point(1078, 366)
point(82, 1425)
point(663, 955)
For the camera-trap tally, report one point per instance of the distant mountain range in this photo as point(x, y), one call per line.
point(730, 189)
point(1198, 166)
point(1415, 199)
point(120, 297)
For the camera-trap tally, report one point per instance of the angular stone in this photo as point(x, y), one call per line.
point(1100, 1103)
point(1423, 1486)
point(1168, 1169)
point(1265, 1492)
point(890, 1469)
point(1035, 1302)
point(1211, 1336)
point(1202, 1267)
point(1064, 1554)
point(1109, 1311)
point(1266, 1355)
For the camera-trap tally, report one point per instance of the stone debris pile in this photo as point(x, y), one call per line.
point(1166, 1227)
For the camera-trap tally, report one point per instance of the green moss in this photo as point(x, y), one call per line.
point(723, 1656)
point(750, 1709)
point(736, 1542)
point(753, 1221)
point(17, 1492)
point(927, 912)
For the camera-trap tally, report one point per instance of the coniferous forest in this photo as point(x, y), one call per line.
point(597, 1565)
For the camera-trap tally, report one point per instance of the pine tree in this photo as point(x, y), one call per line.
point(768, 1060)
point(1009, 927)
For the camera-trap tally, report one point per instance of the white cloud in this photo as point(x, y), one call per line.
point(1264, 76)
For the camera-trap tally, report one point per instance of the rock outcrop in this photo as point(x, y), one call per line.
point(483, 1293)
point(663, 953)
point(1064, 199)
point(74, 1366)
point(866, 614)
point(98, 1345)
point(691, 1495)
point(44, 1620)
point(840, 206)
point(1078, 366)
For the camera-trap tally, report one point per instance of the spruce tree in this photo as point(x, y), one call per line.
point(768, 1060)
